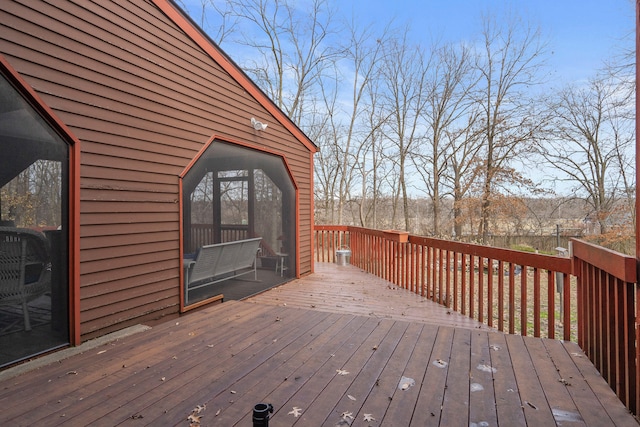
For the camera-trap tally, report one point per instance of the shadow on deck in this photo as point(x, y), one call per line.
point(350, 356)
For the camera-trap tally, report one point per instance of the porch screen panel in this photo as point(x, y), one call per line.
point(233, 193)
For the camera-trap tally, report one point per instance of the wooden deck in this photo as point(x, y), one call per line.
point(347, 289)
point(319, 365)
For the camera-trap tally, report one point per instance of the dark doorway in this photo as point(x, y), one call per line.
point(34, 199)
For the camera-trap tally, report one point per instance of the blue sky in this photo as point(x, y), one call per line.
point(581, 33)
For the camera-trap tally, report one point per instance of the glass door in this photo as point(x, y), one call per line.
point(34, 182)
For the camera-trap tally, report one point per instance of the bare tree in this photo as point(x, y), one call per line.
point(509, 64)
point(361, 59)
point(374, 178)
point(224, 21)
point(291, 49)
point(406, 95)
point(449, 84)
point(328, 159)
point(590, 142)
point(465, 143)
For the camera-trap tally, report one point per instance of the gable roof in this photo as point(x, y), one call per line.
point(195, 33)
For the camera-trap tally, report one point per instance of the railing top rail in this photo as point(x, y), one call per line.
point(623, 267)
point(331, 227)
point(549, 262)
point(222, 226)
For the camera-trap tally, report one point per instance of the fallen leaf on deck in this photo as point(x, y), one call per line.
point(351, 397)
point(194, 420)
point(532, 405)
point(440, 363)
point(103, 351)
point(494, 347)
point(346, 415)
point(475, 387)
point(369, 417)
point(162, 379)
point(405, 383)
point(342, 372)
point(296, 412)
point(72, 373)
point(486, 368)
point(562, 417)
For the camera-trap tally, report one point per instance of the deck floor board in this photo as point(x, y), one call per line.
point(164, 376)
point(284, 380)
point(347, 289)
point(509, 407)
point(537, 410)
point(455, 405)
point(387, 387)
point(481, 409)
point(428, 409)
point(103, 371)
point(289, 347)
point(253, 352)
point(401, 411)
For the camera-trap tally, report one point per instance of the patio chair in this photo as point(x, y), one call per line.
point(25, 268)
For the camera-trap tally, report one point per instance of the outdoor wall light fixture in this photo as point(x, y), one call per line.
point(258, 125)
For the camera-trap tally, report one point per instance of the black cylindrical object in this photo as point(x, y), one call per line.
point(261, 414)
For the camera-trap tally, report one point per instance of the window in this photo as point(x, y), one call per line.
point(34, 173)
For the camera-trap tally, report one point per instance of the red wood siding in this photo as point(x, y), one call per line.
point(143, 98)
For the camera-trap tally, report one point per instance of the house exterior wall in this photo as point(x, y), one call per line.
point(143, 98)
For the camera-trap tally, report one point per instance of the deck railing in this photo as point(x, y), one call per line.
point(513, 291)
point(589, 298)
point(608, 311)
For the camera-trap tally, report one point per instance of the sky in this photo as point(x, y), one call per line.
point(581, 33)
